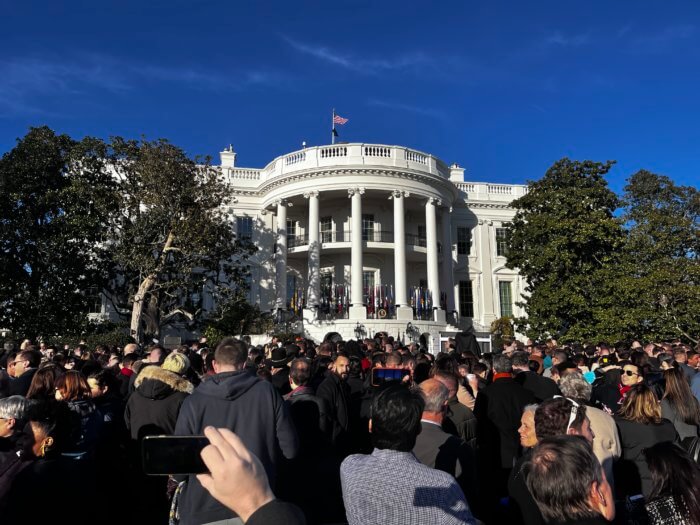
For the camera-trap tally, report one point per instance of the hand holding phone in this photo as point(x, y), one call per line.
point(384, 375)
point(171, 455)
point(237, 479)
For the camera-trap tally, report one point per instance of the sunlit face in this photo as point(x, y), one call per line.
point(6, 427)
point(528, 438)
point(342, 367)
point(630, 375)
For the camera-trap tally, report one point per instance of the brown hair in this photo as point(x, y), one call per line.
point(73, 386)
point(44, 382)
point(641, 406)
point(681, 397)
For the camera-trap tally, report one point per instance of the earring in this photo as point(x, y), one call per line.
point(602, 498)
point(42, 450)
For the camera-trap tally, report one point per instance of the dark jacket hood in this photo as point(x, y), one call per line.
point(156, 383)
point(228, 385)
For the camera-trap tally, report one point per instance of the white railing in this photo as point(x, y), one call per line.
point(295, 158)
point(334, 151)
point(415, 156)
point(244, 174)
point(466, 187)
point(377, 151)
point(500, 189)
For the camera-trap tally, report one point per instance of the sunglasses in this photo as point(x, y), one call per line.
point(630, 373)
point(574, 411)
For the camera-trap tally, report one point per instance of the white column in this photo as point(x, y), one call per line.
point(489, 288)
point(403, 310)
point(281, 256)
point(432, 255)
point(447, 270)
point(357, 308)
point(314, 262)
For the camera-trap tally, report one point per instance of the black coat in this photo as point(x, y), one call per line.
point(251, 408)
point(460, 421)
point(336, 394)
point(541, 387)
point(632, 474)
point(155, 404)
point(522, 506)
point(498, 410)
point(19, 386)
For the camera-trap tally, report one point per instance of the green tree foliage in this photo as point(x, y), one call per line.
point(58, 201)
point(662, 258)
point(175, 242)
point(563, 236)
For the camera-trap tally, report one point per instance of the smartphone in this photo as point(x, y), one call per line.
point(169, 455)
point(383, 375)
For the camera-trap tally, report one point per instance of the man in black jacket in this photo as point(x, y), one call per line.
point(541, 387)
point(248, 406)
point(335, 391)
point(26, 364)
point(498, 409)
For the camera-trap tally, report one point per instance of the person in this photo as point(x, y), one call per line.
point(568, 484)
point(675, 492)
point(541, 387)
point(159, 393)
point(640, 426)
point(421, 494)
point(458, 419)
point(43, 385)
point(237, 480)
point(73, 389)
point(278, 365)
point(679, 406)
point(246, 405)
point(13, 415)
point(606, 443)
point(498, 410)
point(522, 508)
point(25, 366)
point(335, 391)
point(436, 448)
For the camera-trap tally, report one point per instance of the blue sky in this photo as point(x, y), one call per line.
point(502, 88)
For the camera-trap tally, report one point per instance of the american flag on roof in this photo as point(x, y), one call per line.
point(337, 119)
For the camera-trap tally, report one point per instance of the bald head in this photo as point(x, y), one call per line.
point(435, 395)
point(130, 348)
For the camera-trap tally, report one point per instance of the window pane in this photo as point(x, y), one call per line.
point(504, 293)
point(368, 227)
point(326, 229)
point(466, 299)
point(464, 240)
point(501, 244)
point(244, 227)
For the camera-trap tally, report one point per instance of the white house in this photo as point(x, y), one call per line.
point(360, 238)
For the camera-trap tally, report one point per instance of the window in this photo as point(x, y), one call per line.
point(291, 233)
point(464, 240)
point(326, 229)
point(501, 242)
point(466, 299)
point(506, 298)
point(244, 226)
point(368, 227)
point(94, 300)
point(368, 279)
point(422, 236)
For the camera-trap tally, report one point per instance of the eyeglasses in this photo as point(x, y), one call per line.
point(574, 411)
point(630, 373)
point(21, 361)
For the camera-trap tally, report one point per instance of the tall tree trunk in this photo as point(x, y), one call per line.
point(144, 287)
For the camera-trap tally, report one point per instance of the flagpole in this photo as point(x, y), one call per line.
point(333, 127)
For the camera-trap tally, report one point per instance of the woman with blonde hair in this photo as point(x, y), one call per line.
point(641, 426)
point(679, 405)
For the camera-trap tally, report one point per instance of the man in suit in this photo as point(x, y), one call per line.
point(541, 387)
point(26, 364)
point(437, 449)
point(498, 409)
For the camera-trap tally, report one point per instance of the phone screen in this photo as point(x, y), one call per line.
point(382, 375)
point(165, 455)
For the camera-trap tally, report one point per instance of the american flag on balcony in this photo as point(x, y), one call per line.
point(337, 119)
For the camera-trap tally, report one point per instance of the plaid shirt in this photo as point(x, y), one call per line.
point(390, 487)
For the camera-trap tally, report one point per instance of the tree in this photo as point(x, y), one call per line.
point(662, 256)
point(175, 243)
point(59, 198)
point(562, 239)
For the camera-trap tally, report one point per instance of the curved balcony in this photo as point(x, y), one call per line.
point(331, 239)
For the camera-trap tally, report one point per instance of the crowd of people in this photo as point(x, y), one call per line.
point(364, 432)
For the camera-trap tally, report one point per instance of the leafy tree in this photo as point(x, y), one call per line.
point(175, 242)
point(563, 238)
point(59, 199)
point(662, 256)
